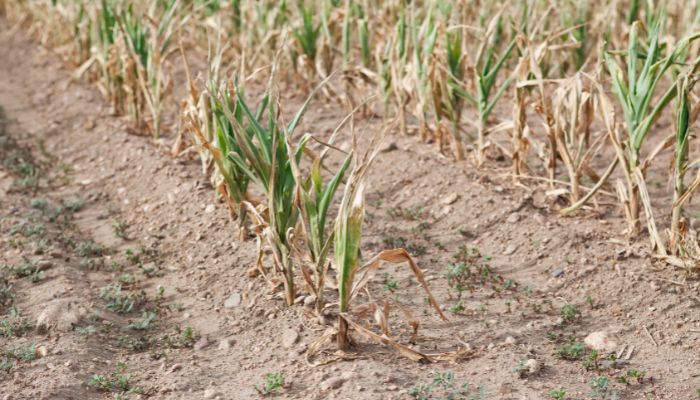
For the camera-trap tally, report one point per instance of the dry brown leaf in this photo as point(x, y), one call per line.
point(395, 256)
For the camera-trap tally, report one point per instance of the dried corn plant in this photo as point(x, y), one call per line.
point(574, 113)
point(446, 83)
point(314, 198)
point(353, 277)
point(264, 159)
point(635, 91)
point(423, 39)
point(147, 41)
point(519, 141)
point(484, 70)
point(687, 110)
point(206, 114)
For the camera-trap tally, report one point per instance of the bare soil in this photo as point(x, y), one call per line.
point(107, 206)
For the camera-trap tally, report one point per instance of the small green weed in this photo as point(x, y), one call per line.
point(591, 361)
point(557, 394)
point(90, 248)
point(443, 386)
point(600, 389)
point(570, 313)
point(22, 353)
point(570, 352)
point(119, 301)
point(14, 324)
point(119, 226)
point(117, 382)
point(144, 323)
point(274, 382)
point(457, 308)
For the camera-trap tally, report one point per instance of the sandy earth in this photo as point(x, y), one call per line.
point(107, 206)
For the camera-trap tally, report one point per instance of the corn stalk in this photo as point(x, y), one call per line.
point(635, 91)
point(347, 242)
point(686, 115)
point(314, 198)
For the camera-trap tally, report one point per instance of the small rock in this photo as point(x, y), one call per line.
point(390, 146)
point(310, 300)
point(289, 337)
point(450, 199)
point(149, 266)
point(201, 343)
point(513, 218)
point(252, 272)
point(510, 340)
point(210, 209)
point(510, 249)
point(43, 265)
point(175, 368)
point(225, 344)
point(211, 394)
point(56, 253)
point(505, 389)
point(558, 273)
point(601, 341)
point(234, 300)
point(533, 366)
point(59, 314)
point(41, 351)
point(539, 218)
point(332, 383)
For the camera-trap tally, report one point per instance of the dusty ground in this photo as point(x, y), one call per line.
point(105, 209)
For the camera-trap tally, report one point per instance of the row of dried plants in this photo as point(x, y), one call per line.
point(443, 70)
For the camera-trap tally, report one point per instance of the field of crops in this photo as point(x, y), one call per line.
point(351, 199)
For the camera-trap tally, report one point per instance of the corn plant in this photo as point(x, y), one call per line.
point(632, 11)
point(352, 276)
point(207, 115)
point(363, 36)
point(148, 42)
point(520, 129)
point(573, 114)
point(577, 19)
point(686, 114)
point(635, 91)
point(399, 58)
point(83, 35)
point(264, 156)
point(386, 78)
point(345, 43)
point(266, 163)
point(424, 37)
point(222, 108)
point(307, 36)
point(486, 66)
point(110, 66)
point(328, 38)
point(314, 198)
point(446, 87)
